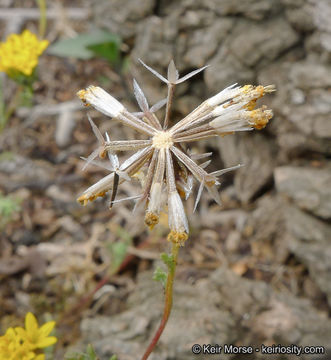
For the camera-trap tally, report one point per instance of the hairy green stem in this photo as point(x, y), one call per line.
point(168, 301)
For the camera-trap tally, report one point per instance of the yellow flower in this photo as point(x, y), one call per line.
point(35, 337)
point(20, 53)
point(12, 348)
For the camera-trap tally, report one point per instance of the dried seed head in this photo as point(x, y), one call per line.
point(162, 161)
point(162, 140)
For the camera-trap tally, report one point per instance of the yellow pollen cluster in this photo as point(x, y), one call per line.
point(151, 219)
point(246, 89)
point(258, 91)
point(84, 199)
point(251, 105)
point(162, 140)
point(20, 53)
point(177, 238)
point(260, 117)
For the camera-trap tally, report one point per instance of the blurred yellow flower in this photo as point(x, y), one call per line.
point(21, 344)
point(20, 53)
point(36, 337)
point(12, 348)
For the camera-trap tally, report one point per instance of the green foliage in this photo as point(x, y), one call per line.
point(118, 250)
point(23, 97)
point(161, 276)
point(88, 45)
point(89, 355)
point(168, 260)
point(6, 156)
point(8, 207)
point(109, 51)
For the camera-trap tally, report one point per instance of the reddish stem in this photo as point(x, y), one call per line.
point(167, 305)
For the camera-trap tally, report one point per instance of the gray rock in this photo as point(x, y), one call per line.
point(121, 16)
point(306, 228)
point(129, 332)
point(302, 106)
point(300, 14)
point(225, 69)
point(195, 19)
point(256, 153)
point(261, 42)
point(155, 37)
point(308, 75)
point(322, 14)
point(313, 116)
point(310, 242)
point(217, 310)
point(309, 188)
point(269, 228)
point(252, 9)
point(204, 43)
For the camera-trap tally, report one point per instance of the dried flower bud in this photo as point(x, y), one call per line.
point(177, 219)
point(101, 100)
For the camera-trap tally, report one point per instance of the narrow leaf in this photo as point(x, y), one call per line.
point(154, 72)
point(189, 75)
point(140, 97)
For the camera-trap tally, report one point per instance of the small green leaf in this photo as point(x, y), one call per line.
point(5, 156)
point(8, 207)
point(126, 65)
point(160, 275)
point(114, 357)
point(89, 355)
point(118, 251)
point(78, 47)
point(124, 235)
point(167, 259)
point(108, 50)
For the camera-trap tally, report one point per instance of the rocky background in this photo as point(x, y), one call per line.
point(257, 270)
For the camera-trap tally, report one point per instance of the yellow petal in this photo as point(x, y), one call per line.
point(21, 333)
point(46, 329)
point(47, 342)
point(31, 324)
